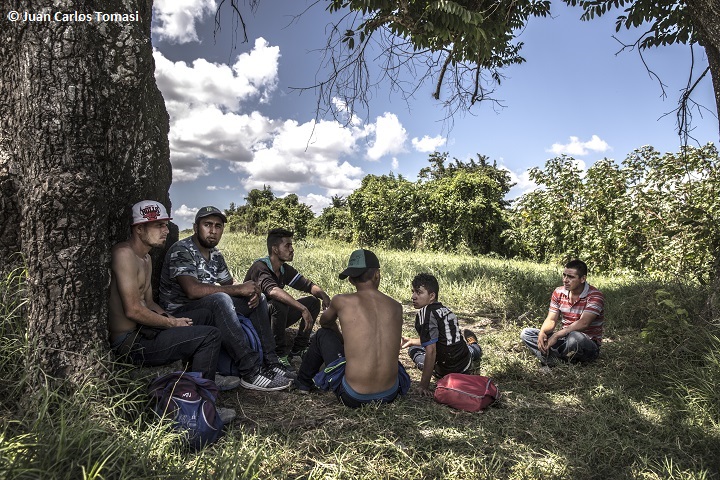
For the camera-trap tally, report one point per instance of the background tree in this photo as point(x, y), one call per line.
point(655, 213)
point(548, 219)
point(264, 211)
point(83, 135)
point(334, 222)
point(382, 211)
point(461, 206)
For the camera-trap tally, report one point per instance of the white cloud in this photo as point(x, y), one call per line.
point(390, 137)
point(184, 215)
point(576, 147)
point(174, 20)
point(342, 107)
point(395, 164)
point(254, 74)
point(427, 144)
point(305, 154)
point(522, 182)
point(316, 202)
point(209, 124)
point(186, 168)
point(201, 100)
point(214, 188)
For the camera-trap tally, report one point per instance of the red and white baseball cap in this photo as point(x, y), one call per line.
point(149, 211)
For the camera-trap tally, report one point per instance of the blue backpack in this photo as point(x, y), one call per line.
point(225, 364)
point(189, 400)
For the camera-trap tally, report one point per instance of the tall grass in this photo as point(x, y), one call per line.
point(646, 409)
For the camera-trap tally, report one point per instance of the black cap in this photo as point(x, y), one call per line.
point(210, 210)
point(360, 261)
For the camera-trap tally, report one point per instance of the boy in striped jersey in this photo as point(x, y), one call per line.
point(441, 348)
point(581, 308)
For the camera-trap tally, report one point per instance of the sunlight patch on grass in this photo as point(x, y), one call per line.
point(545, 464)
point(635, 413)
point(651, 413)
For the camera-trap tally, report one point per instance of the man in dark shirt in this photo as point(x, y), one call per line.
point(271, 274)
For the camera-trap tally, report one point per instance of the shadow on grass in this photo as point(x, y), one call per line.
point(613, 419)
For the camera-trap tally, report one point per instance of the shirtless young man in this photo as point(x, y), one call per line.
point(371, 324)
point(140, 329)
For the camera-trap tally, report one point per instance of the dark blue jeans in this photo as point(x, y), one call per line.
point(199, 345)
point(352, 399)
point(575, 347)
point(224, 310)
point(282, 316)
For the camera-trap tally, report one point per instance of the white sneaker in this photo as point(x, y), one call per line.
point(226, 383)
point(227, 415)
point(266, 381)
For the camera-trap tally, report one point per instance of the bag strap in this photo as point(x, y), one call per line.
point(165, 385)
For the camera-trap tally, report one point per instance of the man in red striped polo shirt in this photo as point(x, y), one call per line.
point(581, 308)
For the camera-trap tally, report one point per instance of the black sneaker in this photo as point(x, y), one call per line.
point(266, 381)
point(300, 388)
point(281, 370)
point(297, 354)
point(470, 337)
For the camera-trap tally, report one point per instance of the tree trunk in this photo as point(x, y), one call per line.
point(705, 15)
point(10, 257)
point(83, 135)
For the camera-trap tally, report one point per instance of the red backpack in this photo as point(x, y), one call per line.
point(471, 393)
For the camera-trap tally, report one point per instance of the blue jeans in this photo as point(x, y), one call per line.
point(575, 347)
point(199, 345)
point(224, 317)
point(350, 398)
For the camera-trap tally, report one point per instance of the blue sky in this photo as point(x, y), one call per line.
point(237, 125)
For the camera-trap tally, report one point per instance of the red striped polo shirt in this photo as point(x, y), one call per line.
point(591, 300)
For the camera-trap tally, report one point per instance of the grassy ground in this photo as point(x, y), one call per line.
point(644, 410)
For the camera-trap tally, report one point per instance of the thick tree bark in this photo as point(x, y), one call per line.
point(705, 15)
point(10, 257)
point(83, 129)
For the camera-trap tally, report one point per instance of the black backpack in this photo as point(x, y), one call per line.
point(189, 400)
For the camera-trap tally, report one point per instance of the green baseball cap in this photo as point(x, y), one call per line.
point(360, 261)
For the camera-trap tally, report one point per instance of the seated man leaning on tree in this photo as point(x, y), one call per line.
point(581, 308)
point(271, 274)
point(195, 275)
point(362, 361)
point(140, 330)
